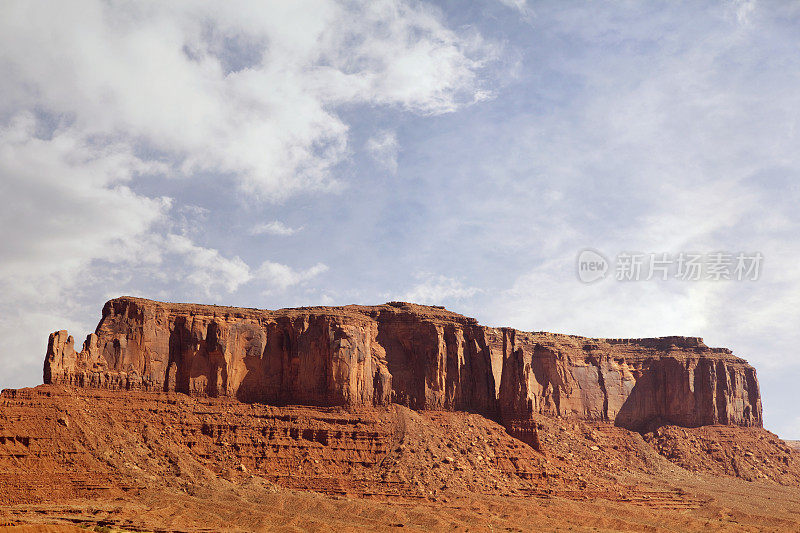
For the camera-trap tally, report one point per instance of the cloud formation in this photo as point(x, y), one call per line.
point(248, 91)
point(70, 204)
point(438, 289)
point(281, 276)
point(276, 227)
point(103, 100)
point(383, 148)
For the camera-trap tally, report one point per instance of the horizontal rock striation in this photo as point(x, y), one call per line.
point(419, 356)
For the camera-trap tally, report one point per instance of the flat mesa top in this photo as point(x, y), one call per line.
point(432, 311)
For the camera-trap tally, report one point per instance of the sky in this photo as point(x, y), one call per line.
point(285, 154)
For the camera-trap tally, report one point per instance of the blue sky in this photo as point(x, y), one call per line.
point(288, 154)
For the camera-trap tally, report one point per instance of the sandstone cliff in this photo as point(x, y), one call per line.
point(423, 357)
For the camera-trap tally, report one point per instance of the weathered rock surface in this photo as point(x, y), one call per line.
point(162, 461)
point(419, 356)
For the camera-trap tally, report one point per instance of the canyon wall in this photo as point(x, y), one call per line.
point(419, 356)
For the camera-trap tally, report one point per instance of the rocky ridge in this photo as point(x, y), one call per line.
point(422, 357)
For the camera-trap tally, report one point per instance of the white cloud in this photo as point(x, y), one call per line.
point(326, 299)
point(519, 5)
point(66, 204)
point(98, 96)
point(744, 10)
point(551, 298)
point(437, 289)
point(383, 148)
point(167, 76)
point(207, 268)
point(282, 277)
point(276, 227)
point(182, 265)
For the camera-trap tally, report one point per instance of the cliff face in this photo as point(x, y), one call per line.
point(419, 356)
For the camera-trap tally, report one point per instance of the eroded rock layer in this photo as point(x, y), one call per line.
point(419, 356)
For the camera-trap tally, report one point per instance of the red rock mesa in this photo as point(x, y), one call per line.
point(419, 356)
